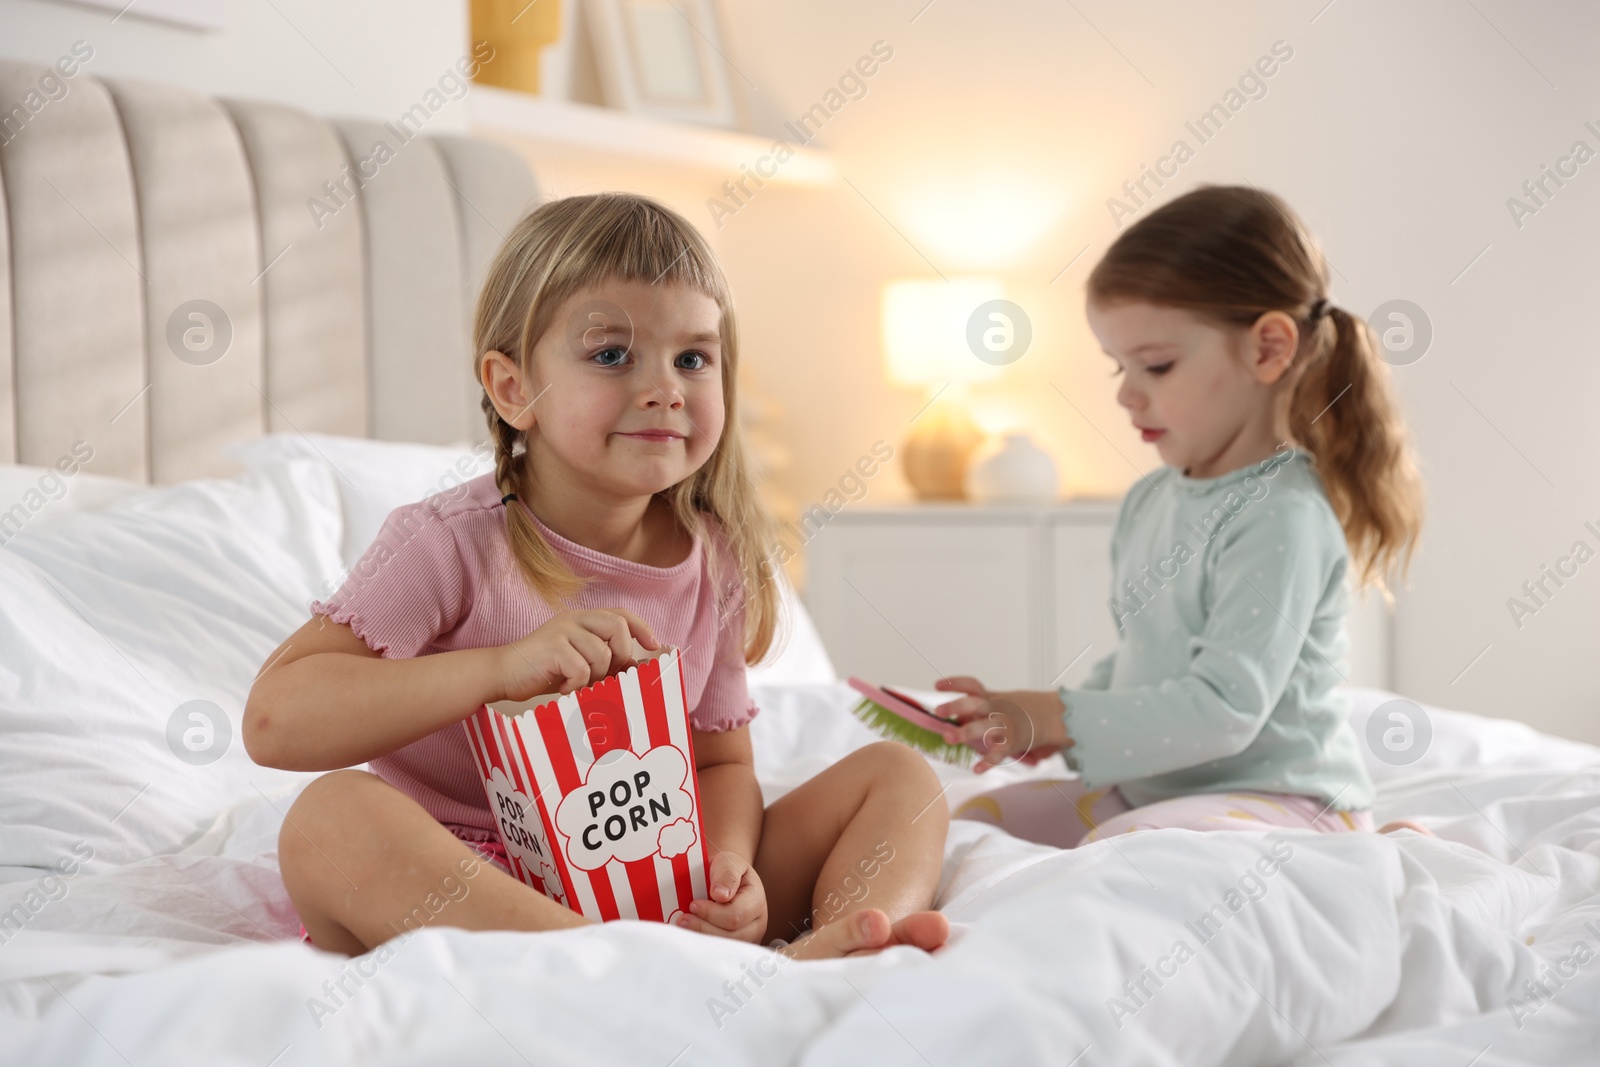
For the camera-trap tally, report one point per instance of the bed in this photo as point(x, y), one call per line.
point(142, 919)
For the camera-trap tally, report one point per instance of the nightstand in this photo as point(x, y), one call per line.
point(1015, 595)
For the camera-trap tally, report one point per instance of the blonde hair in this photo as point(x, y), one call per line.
point(556, 251)
point(1232, 253)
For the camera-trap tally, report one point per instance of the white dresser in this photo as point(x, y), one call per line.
point(1014, 595)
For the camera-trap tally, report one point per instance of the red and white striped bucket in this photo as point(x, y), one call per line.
point(595, 793)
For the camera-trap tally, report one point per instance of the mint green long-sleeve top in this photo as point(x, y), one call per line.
point(1230, 599)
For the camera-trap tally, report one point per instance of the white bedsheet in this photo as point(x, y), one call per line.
point(1356, 949)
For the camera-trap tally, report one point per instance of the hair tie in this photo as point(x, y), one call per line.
point(1318, 309)
point(508, 497)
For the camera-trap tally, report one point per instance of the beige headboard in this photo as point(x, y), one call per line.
point(126, 201)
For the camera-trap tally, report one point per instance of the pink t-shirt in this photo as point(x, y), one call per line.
point(440, 577)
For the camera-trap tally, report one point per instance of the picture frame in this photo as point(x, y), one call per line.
point(662, 58)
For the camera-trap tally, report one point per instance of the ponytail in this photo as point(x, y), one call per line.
point(1343, 411)
point(1233, 253)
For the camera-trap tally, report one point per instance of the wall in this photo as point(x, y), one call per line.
point(354, 57)
point(1398, 131)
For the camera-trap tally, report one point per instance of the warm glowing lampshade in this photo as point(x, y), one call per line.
point(925, 330)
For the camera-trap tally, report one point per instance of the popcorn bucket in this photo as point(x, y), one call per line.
point(595, 793)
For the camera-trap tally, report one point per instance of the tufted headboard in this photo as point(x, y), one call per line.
point(146, 226)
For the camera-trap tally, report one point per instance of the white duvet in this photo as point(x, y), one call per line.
point(1481, 946)
point(1478, 947)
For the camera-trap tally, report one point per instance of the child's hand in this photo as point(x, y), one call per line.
point(1005, 727)
point(738, 904)
point(572, 650)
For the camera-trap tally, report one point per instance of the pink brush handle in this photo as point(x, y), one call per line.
point(908, 711)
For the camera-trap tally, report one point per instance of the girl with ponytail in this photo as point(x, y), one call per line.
point(1286, 470)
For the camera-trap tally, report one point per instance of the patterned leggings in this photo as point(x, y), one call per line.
point(1062, 813)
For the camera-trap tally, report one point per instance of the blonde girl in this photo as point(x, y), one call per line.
point(1285, 462)
point(620, 510)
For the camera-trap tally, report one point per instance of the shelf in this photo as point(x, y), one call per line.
point(604, 129)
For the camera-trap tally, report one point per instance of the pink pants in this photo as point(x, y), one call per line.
point(1062, 813)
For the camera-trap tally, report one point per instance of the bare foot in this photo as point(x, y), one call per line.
point(868, 931)
point(1405, 824)
point(927, 930)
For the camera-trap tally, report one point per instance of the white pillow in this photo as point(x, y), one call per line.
point(375, 477)
point(31, 497)
point(1410, 738)
point(797, 656)
point(110, 623)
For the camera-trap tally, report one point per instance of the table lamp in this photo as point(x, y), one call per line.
point(925, 346)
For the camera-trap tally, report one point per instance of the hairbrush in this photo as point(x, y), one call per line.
point(902, 718)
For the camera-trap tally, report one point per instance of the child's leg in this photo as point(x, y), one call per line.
point(1235, 811)
point(1056, 812)
point(867, 833)
point(363, 862)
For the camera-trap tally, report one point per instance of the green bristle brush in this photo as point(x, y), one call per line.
point(899, 718)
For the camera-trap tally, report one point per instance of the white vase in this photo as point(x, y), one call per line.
point(1016, 472)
